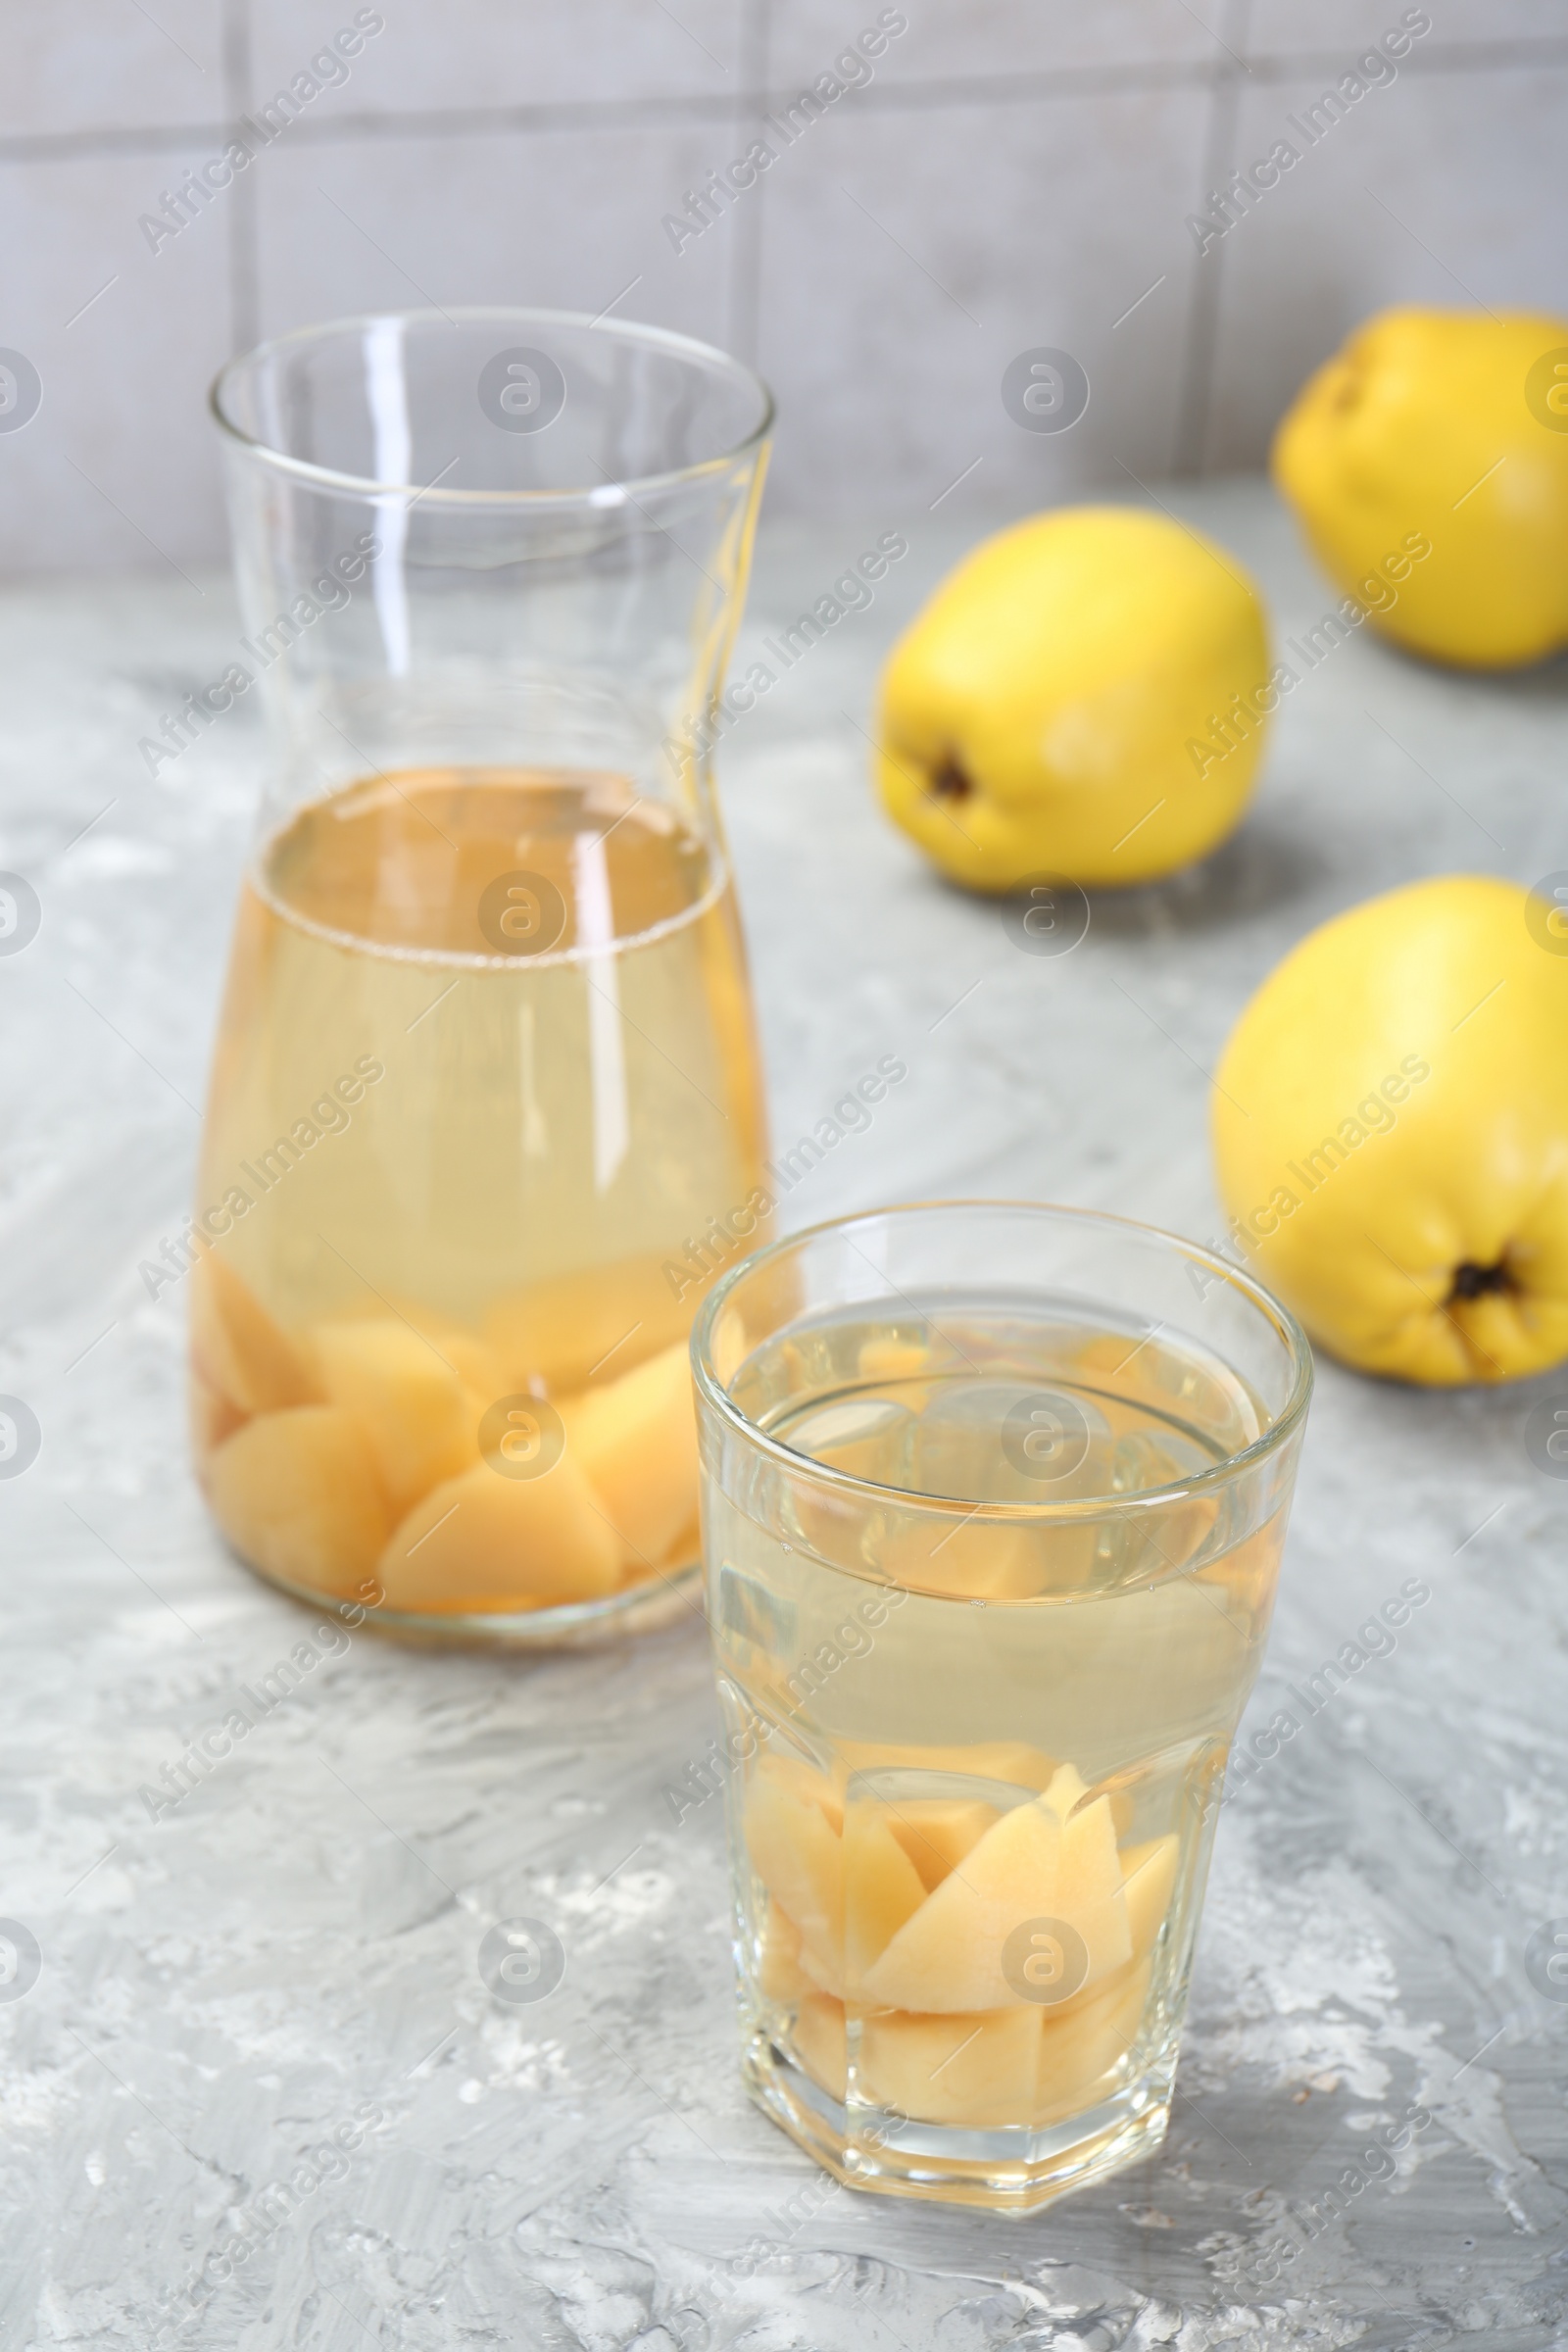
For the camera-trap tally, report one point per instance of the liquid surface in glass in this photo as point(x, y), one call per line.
point(979, 1754)
point(486, 1074)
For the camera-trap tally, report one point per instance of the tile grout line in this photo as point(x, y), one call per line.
point(745, 247)
point(611, 114)
point(1202, 315)
point(243, 303)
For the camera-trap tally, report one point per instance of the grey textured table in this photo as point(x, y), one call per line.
point(292, 1948)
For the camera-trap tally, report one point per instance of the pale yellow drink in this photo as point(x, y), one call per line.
point(484, 1082)
point(977, 1761)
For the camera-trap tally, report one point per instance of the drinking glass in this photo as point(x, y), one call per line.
point(484, 1105)
point(993, 1502)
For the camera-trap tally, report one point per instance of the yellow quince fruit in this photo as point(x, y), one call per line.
point(1085, 695)
point(1391, 1131)
point(1428, 466)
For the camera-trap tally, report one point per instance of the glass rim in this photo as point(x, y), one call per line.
point(712, 1391)
point(705, 356)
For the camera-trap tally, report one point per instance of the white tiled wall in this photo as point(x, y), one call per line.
point(1015, 174)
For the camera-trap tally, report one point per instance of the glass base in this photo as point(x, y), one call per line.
point(571, 1625)
point(1007, 2169)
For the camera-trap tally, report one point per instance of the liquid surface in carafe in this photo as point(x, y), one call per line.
point(406, 862)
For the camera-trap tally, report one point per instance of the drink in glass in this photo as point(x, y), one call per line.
point(993, 1499)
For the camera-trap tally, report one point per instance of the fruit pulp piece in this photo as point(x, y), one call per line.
point(237, 1347)
point(820, 2042)
point(635, 1442)
point(487, 1542)
point(805, 1782)
point(948, 1957)
point(1080, 2043)
point(952, 2067)
point(561, 1329)
point(1149, 1876)
point(882, 1888)
point(822, 1970)
point(779, 1974)
point(890, 1358)
point(213, 1416)
point(1053, 1859)
point(475, 1363)
point(408, 1397)
point(927, 1554)
point(800, 1859)
point(1092, 1871)
point(982, 1560)
point(299, 1493)
point(937, 1832)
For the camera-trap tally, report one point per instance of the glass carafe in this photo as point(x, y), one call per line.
point(485, 1109)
